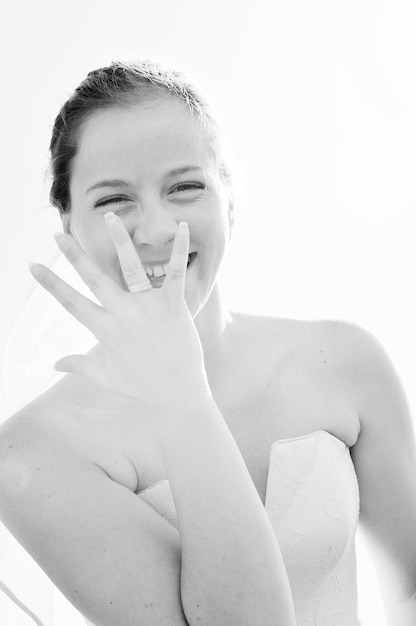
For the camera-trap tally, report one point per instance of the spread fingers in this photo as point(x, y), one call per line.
point(86, 312)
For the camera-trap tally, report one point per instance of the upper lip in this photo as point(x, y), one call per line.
point(155, 262)
point(158, 261)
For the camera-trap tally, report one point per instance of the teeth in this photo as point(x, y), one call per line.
point(155, 270)
point(158, 270)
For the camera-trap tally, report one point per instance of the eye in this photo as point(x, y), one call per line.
point(112, 200)
point(188, 187)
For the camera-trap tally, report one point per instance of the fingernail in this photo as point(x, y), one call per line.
point(183, 225)
point(110, 217)
point(33, 269)
point(62, 241)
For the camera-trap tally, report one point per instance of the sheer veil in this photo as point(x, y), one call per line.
point(39, 331)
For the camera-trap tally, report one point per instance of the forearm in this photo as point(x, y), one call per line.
point(232, 569)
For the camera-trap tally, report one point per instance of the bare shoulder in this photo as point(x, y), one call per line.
point(366, 365)
point(330, 342)
point(53, 425)
point(334, 363)
point(354, 355)
point(26, 425)
point(339, 342)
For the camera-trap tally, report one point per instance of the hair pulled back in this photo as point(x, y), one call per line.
point(120, 84)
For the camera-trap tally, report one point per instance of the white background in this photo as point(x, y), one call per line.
point(319, 101)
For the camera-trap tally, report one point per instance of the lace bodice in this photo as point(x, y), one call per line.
point(312, 500)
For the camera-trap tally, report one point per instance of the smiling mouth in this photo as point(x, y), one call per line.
point(157, 281)
point(191, 258)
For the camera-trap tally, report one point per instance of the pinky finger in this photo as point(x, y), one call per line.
point(90, 367)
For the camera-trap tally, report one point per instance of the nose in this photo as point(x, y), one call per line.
point(153, 226)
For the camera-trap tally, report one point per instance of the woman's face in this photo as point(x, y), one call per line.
point(152, 165)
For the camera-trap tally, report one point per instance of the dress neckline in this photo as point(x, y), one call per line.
point(315, 432)
point(275, 443)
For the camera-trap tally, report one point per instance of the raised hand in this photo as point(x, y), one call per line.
point(152, 351)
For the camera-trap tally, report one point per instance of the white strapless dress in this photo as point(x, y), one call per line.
point(312, 500)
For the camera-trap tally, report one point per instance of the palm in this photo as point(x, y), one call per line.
point(151, 347)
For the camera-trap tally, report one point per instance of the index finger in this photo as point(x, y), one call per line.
point(130, 264)
point(101, 285)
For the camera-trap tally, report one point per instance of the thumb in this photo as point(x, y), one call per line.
point(89, 367)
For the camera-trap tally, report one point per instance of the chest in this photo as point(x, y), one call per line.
point(260, 405)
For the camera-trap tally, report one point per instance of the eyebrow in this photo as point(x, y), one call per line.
point(116, 182)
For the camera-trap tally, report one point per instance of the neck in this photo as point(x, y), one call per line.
point(213, 324)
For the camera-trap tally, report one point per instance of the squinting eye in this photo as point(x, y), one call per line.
point(112, 200)
point(188, 187)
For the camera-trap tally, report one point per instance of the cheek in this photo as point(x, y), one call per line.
point(92, 236)
point(107, 259)
point(210, 224)
point(101, 250)
point(216, 233)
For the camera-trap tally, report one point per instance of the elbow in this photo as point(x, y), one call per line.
point(222, 605)
point(235, 613)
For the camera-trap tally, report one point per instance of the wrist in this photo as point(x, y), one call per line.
point(186, 420)
point(185, 400)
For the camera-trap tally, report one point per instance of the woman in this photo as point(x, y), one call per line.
point(198, 465)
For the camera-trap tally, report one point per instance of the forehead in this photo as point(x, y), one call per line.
point(142, 140)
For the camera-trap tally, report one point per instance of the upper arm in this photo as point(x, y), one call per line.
point(111, 555)
point(385, 462)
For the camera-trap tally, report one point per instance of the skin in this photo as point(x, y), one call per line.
point(152, 354)
point(271, 378)
point(141, 145)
